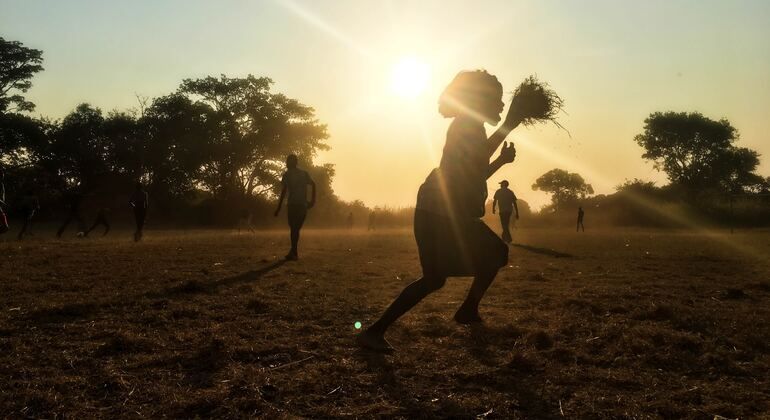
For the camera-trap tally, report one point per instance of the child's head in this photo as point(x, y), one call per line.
point(476, 93)
point(291, 161)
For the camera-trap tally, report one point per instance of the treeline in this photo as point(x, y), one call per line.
point(208, 153)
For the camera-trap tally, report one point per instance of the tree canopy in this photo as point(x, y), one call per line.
point(697, 153)
point(17, 66)
point(565, 187)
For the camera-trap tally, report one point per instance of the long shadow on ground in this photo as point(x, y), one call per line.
point(543, 251)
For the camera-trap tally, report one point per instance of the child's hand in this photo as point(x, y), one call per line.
point(508, 153)
point(512, 118)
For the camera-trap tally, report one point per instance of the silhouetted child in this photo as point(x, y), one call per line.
point(295, 181)
point(139, 201)
point(101, 219)
point(29, 207)
point(451, 238)
point(3, 218)
point(581, 213)
point(505, 200)
point(72, 199)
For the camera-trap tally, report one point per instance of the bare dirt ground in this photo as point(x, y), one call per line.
point(606, 324)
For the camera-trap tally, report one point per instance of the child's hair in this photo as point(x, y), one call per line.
point(471, 91)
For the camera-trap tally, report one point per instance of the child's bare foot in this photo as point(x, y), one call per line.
point(375, 342)
point(465, 317)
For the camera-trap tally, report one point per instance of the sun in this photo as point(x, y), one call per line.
point(409, 77)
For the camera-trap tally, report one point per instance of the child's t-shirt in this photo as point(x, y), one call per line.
point(295, 181)
point(458, 187)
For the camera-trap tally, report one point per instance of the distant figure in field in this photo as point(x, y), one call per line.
point(372, 221)
point(451, 238)
point(581, 213)
point(295, 181)
point(139, 201)
point(73, 199)
point(350, 221)
point(245, 220)
point(505, 200)
point(29, 207)
point(101, 219)
point(3, 218)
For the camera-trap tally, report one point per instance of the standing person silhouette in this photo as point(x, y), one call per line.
point(295, 181)
point(139, 201)
point(451, 238)
point(350, 221)
point(581, 213)
point(505, 200)
point(372, 221)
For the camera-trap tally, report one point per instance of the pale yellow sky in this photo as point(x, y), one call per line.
point(613, 62)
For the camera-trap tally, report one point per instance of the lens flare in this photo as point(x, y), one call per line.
point(357, 325)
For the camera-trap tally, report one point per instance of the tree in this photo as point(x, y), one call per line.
point(696, 152)
point(178, 144)
point(17, 66)
point(256, 129)
point(566, 187)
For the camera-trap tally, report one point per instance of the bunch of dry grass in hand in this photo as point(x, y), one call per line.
point(533, 102)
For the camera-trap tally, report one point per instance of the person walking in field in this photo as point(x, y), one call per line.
point(451, 238)
point(295, 181)
point(73, 199)
point(101, 219)
point(350, 221)
point(139, 201)
point(505, 201)
point(30, 205)
point(372, 221)
point(581, 213)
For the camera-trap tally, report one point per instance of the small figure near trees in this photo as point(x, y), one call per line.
point(580, 215)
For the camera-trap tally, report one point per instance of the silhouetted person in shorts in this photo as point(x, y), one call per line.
point(505, 200)
point(3, 218)
point(581, 213)
point(451, 238)
point(29, 207)
point(101, 220)
point(72, 199)
point(139, 201)
point(295, 181)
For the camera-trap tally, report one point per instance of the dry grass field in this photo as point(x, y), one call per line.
point(606, 324)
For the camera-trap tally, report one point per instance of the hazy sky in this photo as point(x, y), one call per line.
point(614, 62)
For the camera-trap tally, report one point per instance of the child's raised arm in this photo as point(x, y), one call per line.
point(507, 155)
point(512, 120)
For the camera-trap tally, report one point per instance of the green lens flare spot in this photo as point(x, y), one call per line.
point(357, 325)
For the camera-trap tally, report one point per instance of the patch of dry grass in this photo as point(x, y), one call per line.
point(631, 324)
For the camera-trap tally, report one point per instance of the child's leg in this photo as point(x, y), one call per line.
point(409, 297)
point(469, 310)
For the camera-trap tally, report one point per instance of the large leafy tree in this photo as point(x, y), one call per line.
point(180, 133)
point(255, 130)
point(565, 187)
point(697, 152)
point(17, 66)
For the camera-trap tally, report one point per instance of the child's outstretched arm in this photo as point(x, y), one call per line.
point(507, 155)
point(512, 120)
